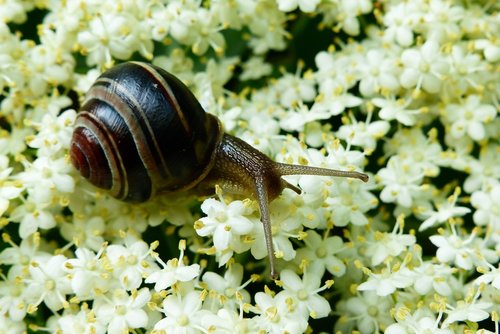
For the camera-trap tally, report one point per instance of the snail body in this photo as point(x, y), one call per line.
point(141, 132)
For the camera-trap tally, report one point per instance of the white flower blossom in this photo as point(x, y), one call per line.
point(400, 19)
point(472, 310)
point(48, 283)
point(322, 253)
point(121, 311)
point(183, 314)
point(46, 177)
point(367, 311)
point(13, 296)
point(382, 245)
point(279, 314)
point(172, 272)
point(401, 182)
point(55, 133)
point(131, 262)
point(418, 322)
point(224, 222)
point(398, 109)
point(469, 117)
point(487, 207)
point(386, 282)
point(306, 6)
point(490, 277)
point(8, 189)
point(446, 210)
point(379, 73)
point(424, 68)
point(305, 292)
point(33, 216)
point(83, 322)
point(465, 253)
point(228, 290)
point(88, 273)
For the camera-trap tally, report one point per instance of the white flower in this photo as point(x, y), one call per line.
point(487, 207)
point(48, 283)
point(322, 253)
point(8, 189)
point(54, 134)
point(122, 312)
point(348, 202)
point(400, 19)
point(263, 38)
point(401, 182)
point(306, 6)
point(229, 322)
point(45, 177)
point(109, 35)
point(292, 89)
point(491, 50)
point(131, 262)
point(485, 171)
point(386, 282)
point(384, 245)
point(467, 70)
point(442, 21)
point(83, 322)
point(13, 295)
point(296, 119)
point(225, 222)
point(14, 11)
point(367, 311)
point(88, 273)
point(469, 117)
point(205, 33)
point(435, 277)
point(378, 73)
point(418, 322)
point(489, 277)
point(470, 309)
point(183, 314)
point(416, 148)
point(14, 327)
point(446, 210)
point(350, 10)
point(334, 97)
point(85, 231)
point(33, 216)
point(364, 134)
point(49, 66)
point(229, 291)
point(424, 68)
point(279, 314)
point(463, 253)
point(305, 292)
point(173, 271)
point(398, 109)
point(23, 254)
point(255, 68)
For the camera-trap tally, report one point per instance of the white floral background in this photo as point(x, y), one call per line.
point(407, 91)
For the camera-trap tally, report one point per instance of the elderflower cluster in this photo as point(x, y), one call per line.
point(405, 91)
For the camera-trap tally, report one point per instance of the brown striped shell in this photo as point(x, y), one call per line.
point(141, 131)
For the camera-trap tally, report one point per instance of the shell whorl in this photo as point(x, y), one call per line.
point(141, 131)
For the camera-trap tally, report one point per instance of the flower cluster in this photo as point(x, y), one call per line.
point(406, 91)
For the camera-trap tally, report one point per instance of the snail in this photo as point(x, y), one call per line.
point(141, 132)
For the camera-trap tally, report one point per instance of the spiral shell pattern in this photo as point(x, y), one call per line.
point(141, 131)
